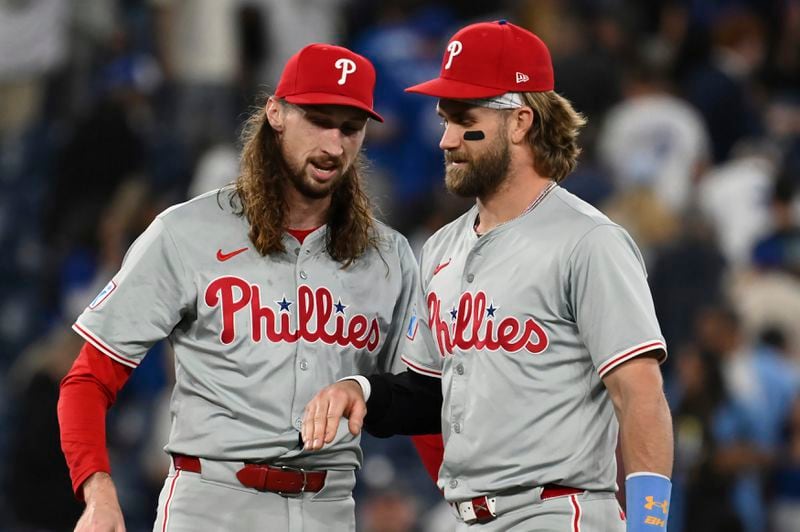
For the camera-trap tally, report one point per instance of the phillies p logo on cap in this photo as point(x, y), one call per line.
point(489, 59)
point(453, 49)
point(324, 74)
point(347, 66)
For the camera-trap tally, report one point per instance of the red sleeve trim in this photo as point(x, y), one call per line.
point(103, 347)
point(420, 369)
point(633, 352)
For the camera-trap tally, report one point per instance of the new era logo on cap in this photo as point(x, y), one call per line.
point(321, 74)
point(489, 59)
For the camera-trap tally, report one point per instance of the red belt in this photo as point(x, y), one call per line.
point(484, 507)
point(284, 480)
point(554, 490)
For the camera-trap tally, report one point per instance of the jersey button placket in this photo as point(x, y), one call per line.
point(470, 265)
point(458, 392)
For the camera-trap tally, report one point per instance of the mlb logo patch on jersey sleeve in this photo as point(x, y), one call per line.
point(413, 323)
point(104, 293)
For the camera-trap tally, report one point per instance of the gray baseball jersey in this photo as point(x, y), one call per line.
point(255, 338)
point(522, 324)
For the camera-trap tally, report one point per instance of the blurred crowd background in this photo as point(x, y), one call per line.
point(112, 110)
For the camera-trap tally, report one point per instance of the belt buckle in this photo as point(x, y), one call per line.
point(302, 488)
point(478, 509)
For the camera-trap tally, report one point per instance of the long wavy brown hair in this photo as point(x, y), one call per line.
point(554, 135)
point(258, 194)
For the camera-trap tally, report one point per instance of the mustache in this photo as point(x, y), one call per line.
point(455, 157)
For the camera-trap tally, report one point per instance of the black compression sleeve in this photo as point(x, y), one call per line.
point(406, 403)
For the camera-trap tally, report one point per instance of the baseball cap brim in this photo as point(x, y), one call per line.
point(323, 98)
point(454, 90)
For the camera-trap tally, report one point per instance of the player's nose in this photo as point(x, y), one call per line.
point(450, 138)
point(332, 142)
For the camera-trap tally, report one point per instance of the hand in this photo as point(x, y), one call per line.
point(102, 513)
point(324, 411)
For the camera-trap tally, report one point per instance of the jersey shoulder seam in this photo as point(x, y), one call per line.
point(172, 241)
point(586, 234)
point(606, 220)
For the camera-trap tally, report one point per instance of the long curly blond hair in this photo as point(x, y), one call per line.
point(554, 135)
point(258, 194)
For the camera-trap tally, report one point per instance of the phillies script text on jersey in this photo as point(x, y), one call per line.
point(467, 331)
point(234, 295)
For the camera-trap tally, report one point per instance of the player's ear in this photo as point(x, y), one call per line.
point(520, 123)
point(275, 114)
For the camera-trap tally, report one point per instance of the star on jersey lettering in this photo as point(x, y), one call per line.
point(340, 307)
point(490, 310)
point(284, 304)
point(453, 314)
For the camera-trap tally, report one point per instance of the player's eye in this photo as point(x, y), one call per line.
point(350, 130)
point(321, 122)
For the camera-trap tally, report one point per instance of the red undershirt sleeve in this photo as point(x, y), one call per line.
point(431, 451)
point(87, 392)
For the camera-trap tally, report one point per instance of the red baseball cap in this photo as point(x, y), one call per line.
point(322, 74)
point(488, 59)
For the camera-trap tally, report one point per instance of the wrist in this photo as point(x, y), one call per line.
point(97, 485)
point(647, 498)
point(363, 382)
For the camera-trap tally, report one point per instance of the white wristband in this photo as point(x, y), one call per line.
point(648, 474)
point(362, 381)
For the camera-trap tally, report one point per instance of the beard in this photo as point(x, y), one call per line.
point(481, 176)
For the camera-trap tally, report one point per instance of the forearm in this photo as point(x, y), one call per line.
point(646, 437)
point(646, 434)
point(406, 403)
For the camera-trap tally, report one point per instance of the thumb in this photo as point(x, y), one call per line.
point(356, 417)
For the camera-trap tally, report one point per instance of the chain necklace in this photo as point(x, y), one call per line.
point(532, 205)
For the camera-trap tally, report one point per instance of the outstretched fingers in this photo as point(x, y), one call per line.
point(314, 422)
point(325, 411)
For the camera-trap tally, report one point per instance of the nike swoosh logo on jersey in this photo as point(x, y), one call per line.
point(222, 257)
point(442, 266)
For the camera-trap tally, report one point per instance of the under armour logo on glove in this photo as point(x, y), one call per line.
point(347, 66)
point(651, 503)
